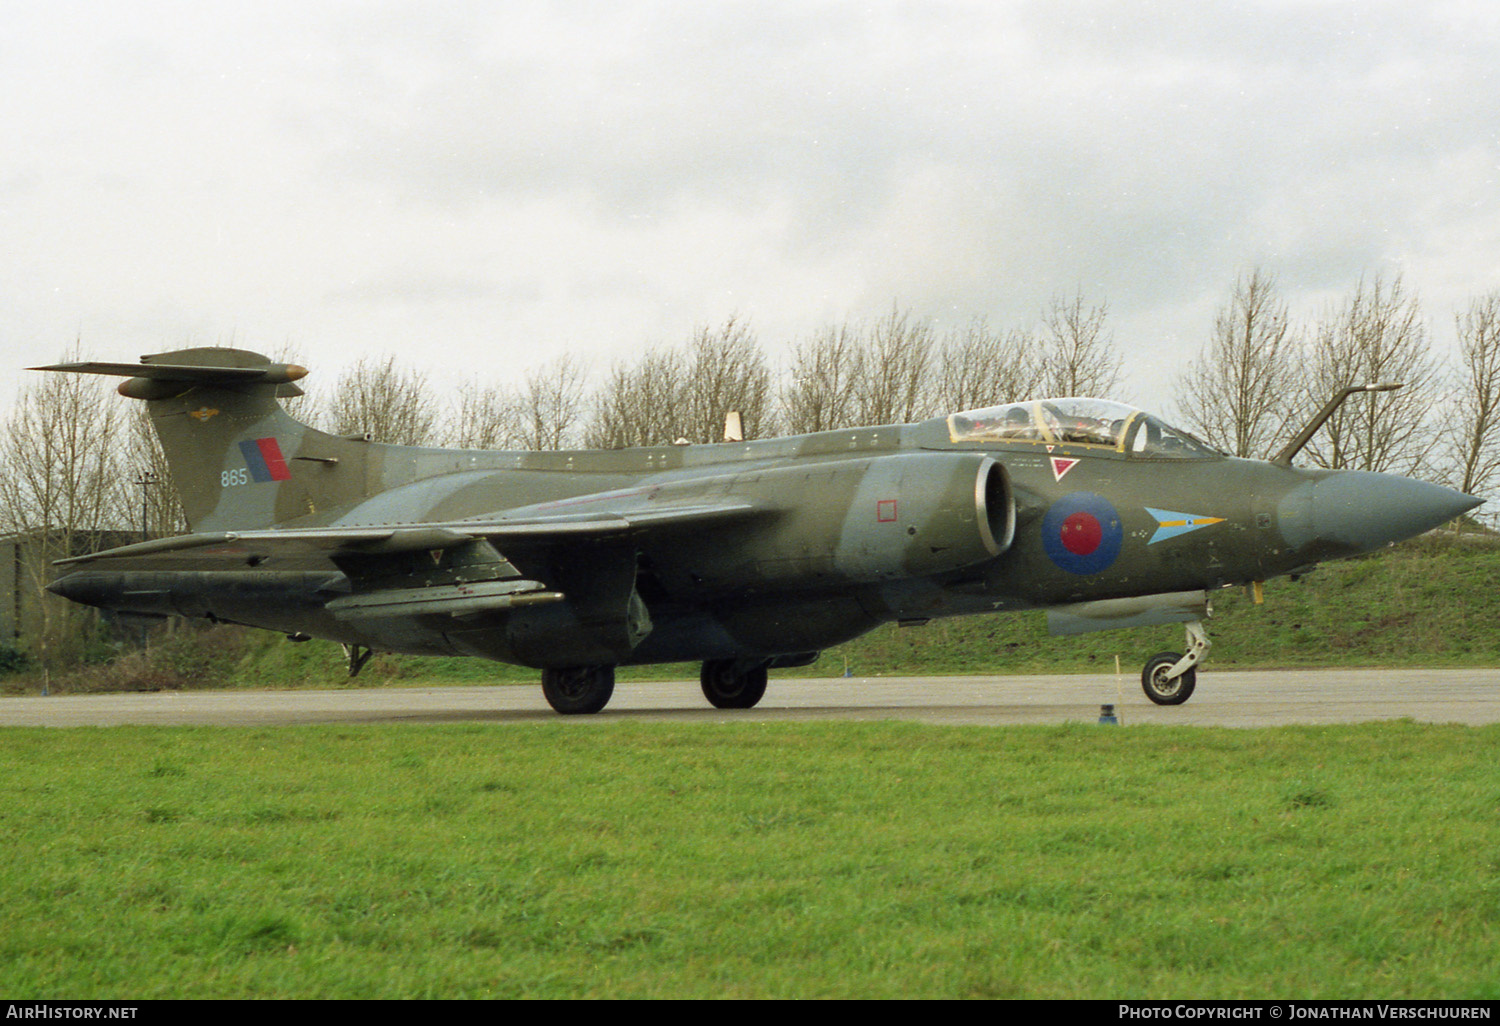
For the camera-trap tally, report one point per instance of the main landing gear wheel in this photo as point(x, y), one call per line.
point(728, 684)
point(1164, 690)
point(578, 689)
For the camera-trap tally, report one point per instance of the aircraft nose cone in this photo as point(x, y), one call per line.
point(86, 588)
point(1352, 511)
point(77, 587)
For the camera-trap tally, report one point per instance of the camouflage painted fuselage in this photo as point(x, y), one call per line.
point(769, 549)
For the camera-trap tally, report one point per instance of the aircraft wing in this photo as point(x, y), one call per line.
point(381, 539)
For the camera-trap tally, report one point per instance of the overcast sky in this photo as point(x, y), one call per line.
point(477, 187)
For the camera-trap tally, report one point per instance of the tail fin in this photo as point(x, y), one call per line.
point(238, 459)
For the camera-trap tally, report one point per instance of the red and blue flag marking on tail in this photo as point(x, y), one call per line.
point(263, 456)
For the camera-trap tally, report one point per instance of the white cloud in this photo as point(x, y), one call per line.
point(490, 185)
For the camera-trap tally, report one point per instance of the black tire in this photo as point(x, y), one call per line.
point(727, 686)
point(1163, 691)
point(576, 690)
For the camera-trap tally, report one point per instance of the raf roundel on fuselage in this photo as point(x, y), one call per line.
point(1081, 533)
point(1096, 423)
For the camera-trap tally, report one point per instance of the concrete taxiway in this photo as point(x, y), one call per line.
point(1227, 699)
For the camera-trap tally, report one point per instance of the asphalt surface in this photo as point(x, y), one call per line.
point(1228, 699)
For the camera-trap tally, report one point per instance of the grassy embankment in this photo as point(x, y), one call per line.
point(751, 860)
point(1431, 602)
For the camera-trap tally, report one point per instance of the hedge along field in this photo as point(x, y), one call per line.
point(751, 860)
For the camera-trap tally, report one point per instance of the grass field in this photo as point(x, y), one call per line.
point(751, 860)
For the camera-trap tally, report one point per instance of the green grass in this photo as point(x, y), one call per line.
point(751, 860)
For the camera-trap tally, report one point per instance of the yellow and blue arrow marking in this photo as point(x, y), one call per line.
point(1170, 524)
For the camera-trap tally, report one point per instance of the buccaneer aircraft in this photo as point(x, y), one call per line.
point(744, 556)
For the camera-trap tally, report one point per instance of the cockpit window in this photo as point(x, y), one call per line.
point(1099, 423)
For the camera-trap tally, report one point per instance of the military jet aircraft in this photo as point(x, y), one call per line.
point(744, 556)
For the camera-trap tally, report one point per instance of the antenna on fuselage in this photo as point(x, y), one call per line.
point(734, 427)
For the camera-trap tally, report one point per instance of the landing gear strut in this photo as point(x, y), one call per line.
point(1169, 677)
point(357, 656)
point(733, 683)
point(578, 689)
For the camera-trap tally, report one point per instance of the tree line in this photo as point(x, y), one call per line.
point(893, 369)
point(1259, 376)
point(74, 461)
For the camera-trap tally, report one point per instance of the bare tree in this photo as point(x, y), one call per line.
point(484, 417)
point(726, 371)
point(1237, 394)
point(549, 409)
point(826, 375)
point(1473, 427)
point(1081, 358)
point(157, 509)
point(1377, 335)
point(898, 357)
point(544, 412)
point(61, 471)
point(61, 482)
point(387, 402)
point(978, 367)
point(640, 404)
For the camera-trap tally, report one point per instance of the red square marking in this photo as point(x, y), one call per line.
point(885, 511)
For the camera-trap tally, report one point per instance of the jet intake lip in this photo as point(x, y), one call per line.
point(1359, 511)
point(995, 505)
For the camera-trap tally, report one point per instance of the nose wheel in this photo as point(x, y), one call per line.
point(1169, 677)
point(1163, 689)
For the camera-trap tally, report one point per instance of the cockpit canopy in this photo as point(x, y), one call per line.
point(1096, 423)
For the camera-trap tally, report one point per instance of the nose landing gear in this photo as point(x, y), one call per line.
point(1169, 677)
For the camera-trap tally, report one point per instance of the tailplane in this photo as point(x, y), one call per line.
point(238, 459)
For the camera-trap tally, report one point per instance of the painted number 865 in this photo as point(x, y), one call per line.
point(229, 478)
